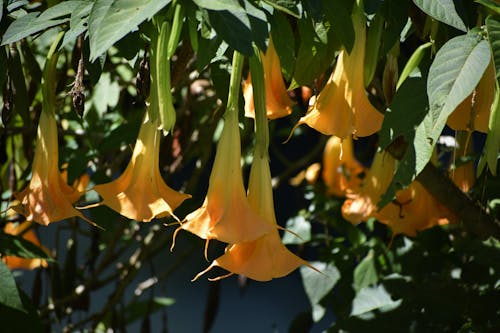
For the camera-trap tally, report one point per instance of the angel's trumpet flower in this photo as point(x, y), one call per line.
point(140, 192)
point(414, 209)
point(23, 263)
point(463, 174)
point(362, 205)
point(341, 170)
point(278, 103)
point(47, 198)
point(474, 112)
point(266, 257)
point(342, 107)
point(226, 214)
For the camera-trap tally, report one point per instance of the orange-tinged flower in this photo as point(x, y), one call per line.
point(342, 107)
point(47, 198)
point(226, 214)
point(23, 263)
point(474, 112)
point(278, 103)
point(140, 192)
point(362, 205)
point(341, 170)
point(266, 257)
point(414, 209)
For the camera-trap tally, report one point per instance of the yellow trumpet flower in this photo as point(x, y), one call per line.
point(226, 214)
point(342, 107)
point(474, 112)
point(47, 198)
point(140, 192)
point(341, 170)
point(23, 263)
point(266, 257)
point(362, 205)
point(414, 209)
point(278, 103)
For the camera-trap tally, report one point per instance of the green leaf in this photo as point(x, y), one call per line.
point(230, 5)
point(455, 72)
point(17, 246)
point(365, 273)
point(299, 226)
point(9, 295)
point(78, 22)
point(314, 54)
point(406, 120)
point(493, 28)
point(259, 25)
point(111, 20)
point(284, 43)
point(25, 320)
point(33, 23)
point(372, 298)
point(234, 28)
point(442, 10)
point(289, 7)
point(395, 13)
point(27, 25)
point(491, 4)
point(318, 285)
point(339, 16)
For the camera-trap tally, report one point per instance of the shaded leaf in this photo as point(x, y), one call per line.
point(442, 10)
point(493, 28)
point(230, 5)
point(27, 25)
point(234, 28)
point(138, 310)
point(111, 20)
point(284, 43)
point(491, 4)
point(9, 295)
point(339, 16)
point(17, 246)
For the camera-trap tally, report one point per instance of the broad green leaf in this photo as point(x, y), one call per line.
point(299, 226)
point(284, 42)
point(454, 73)
point(234, 28)
point(27, 25)
point(230, 5)
point(314, 54)
point(365, 273)
point(442, 10)
point(395, 13)
point(372, 298)
point(106, 94)
point(111, 20)
point(259, 25)
point(289, 7)
point(78, 22)
point(339, 16)
point(1, 10)
point(15, 4)
point(491, 4)
point(24, 320)
point(9, 295)
point(19, 247)
point(404, 119)
point(318, 285)
point(62, 9)
point(493, 28)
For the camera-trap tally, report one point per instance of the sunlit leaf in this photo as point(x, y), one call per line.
point(442, 10)
point(372, 298)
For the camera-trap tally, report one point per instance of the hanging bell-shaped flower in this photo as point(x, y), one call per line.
point(140, 192)
point(342, 108)
point(278, 103)
point(341, 171)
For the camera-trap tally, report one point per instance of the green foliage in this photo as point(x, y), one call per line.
point(442, 10)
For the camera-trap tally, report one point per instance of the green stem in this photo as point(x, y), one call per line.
point(234, 84)
point(259, 97)
point(48, 79)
